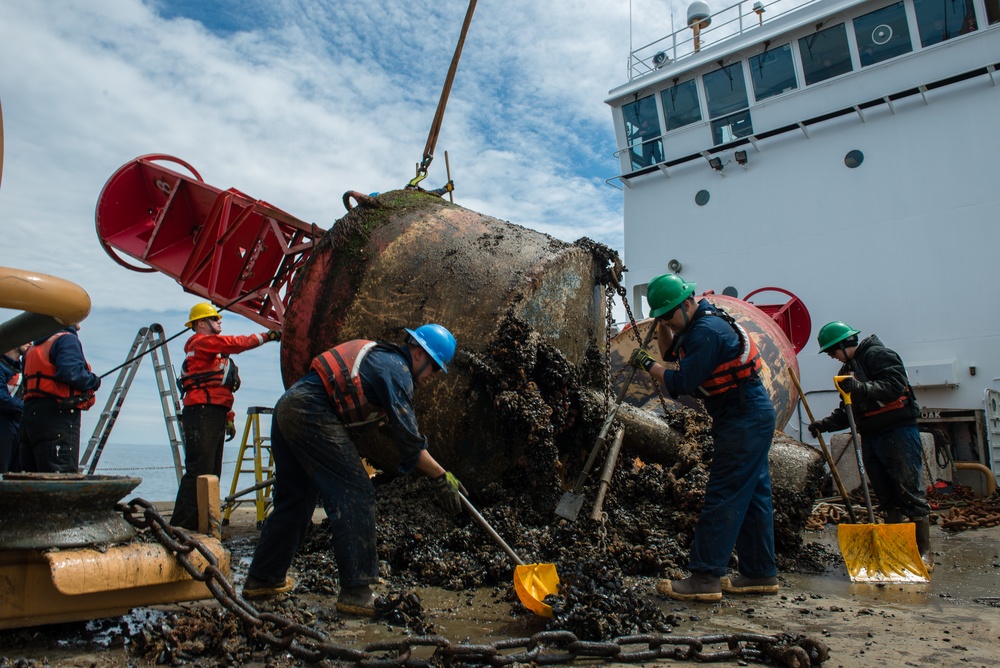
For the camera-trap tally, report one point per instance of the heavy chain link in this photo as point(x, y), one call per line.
point(545, 647)
point(609, 322)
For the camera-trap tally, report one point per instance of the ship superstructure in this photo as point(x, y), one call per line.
point(845, 151)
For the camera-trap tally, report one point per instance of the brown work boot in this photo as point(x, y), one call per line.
point(357, 601)
point(697, 587)
point(924, 542)
point(256, 589)
point(740, 584)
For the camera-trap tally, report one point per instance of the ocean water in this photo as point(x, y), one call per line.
point(155, 465)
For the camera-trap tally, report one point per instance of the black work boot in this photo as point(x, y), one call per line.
point(924, 542)
point(740, 584)
point(698, 587)
point(894, 516)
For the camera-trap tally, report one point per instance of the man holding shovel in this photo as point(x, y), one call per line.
point(719, 363)
point(354, 385)
point(885, 410)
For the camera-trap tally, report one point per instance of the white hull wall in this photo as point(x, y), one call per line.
point(905, 246)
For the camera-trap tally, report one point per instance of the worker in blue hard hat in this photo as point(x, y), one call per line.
point(719, 363)
point(351, 385)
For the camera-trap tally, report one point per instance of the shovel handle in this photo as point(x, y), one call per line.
point(469, 508)
point(603, 433)
point(826, 453)
point(846, 396)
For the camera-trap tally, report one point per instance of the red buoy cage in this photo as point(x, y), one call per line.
point(233, 250)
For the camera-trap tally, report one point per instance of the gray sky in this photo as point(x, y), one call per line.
point(296, 102)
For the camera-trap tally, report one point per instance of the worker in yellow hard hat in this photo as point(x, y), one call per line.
point(208, 379)
point(719, 363)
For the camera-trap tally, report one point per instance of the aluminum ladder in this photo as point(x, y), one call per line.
point(148, 340)
point(255, 462)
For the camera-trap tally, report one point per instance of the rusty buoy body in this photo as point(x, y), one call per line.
point(406, 258)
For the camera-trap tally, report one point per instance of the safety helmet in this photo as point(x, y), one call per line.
point(666, 292)
point(833, 333)
point(200, 312)
point(437, 341)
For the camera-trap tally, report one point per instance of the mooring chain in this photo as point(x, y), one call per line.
point(609, 321)
point(622, 292)
point(545, 647)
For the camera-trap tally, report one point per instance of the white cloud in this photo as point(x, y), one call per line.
point(296, 102)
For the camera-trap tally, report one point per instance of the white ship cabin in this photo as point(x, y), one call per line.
point(845, 152)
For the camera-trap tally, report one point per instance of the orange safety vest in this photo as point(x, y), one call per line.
point(12, 383)
point(40, 378)
point(729, 375)
point(338, 368)
point(219, 380)
point(885, 408)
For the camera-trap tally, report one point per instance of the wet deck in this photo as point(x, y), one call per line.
point(950, 621)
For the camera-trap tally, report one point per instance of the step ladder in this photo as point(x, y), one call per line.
point(148, 340)
point(257, 461)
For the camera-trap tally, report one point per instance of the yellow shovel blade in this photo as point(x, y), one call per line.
point(533, 582)
point(882, 552)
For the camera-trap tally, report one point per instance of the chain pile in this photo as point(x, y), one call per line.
point(546, 647)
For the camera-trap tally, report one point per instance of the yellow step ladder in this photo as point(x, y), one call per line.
point(257, 462)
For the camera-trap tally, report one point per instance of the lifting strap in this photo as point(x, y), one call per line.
point(432, 136)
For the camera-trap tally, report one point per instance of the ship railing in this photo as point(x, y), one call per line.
point(725, 23)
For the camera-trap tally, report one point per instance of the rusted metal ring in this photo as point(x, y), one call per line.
point(362, 200)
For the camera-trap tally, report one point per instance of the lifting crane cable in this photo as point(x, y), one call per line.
point(432, 136)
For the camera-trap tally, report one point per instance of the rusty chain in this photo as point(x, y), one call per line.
point(622, 292)
point(545, 647)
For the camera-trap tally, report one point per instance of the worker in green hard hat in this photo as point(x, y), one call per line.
point(719, 363)
point(885, 412)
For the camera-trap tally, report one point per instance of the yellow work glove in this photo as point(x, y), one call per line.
point(448, 487)
point(230, 430)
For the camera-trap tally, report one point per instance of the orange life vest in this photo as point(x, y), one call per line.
point(40, 378)
point(338, 368)
point(219, 381)
point(729, 375)
point(13, 383)
point(891, 406)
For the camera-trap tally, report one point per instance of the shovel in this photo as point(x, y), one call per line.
point(826, 452)
point(571, 502)
point(532, 582)
point(877, 552)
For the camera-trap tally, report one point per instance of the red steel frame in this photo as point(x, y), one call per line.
point(235, 251)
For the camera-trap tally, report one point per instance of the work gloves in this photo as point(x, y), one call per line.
point(640, 359)
point(230, 430)
point(273, 335)
point(815, 428)
point(853, 387)
point(448, 488)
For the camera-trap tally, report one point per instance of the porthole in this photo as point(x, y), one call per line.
point(701, 199)
point(854, 158)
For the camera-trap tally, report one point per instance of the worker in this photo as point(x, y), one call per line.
point(58, 385)
point(719, 363)
point(352, 385)
point(208, 379)
point(885, 412)
point(11, 407)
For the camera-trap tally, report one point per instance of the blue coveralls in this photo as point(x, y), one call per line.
point(737, 511)
point(10, 417)
point(50, 433)
point(315, 457)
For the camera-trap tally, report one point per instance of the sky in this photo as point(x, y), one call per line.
point(296, 102)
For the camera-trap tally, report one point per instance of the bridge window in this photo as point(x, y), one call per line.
point(772, 72)
point(882, 34)
point(642, 131)
point(992, 11)
point(939, 20)
point(680, 105)
point(726, 91)
point(825, 54)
